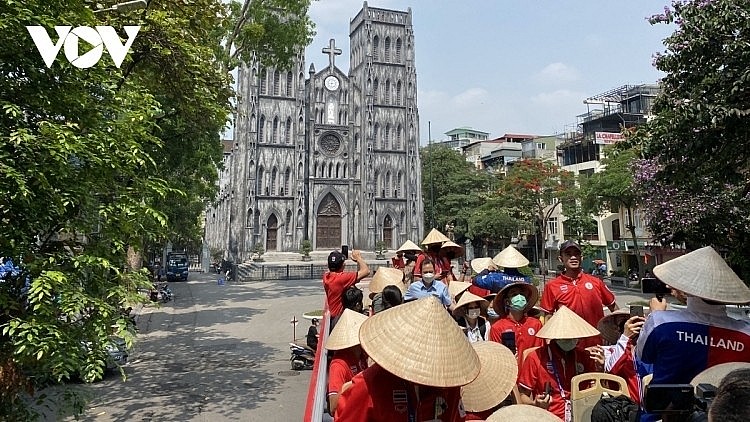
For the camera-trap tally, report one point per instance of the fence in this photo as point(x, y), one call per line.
point(254, 272)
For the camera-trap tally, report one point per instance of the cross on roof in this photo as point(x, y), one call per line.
point(332, 52)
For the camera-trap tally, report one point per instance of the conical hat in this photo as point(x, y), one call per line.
point(496, 378)
point(532, 296)
point(459, 251)
point(566, 324)
point(434, 236)
point(609, 326)
point(345, 333)
point(510, 258)
point(386, 276)
point(522, 413)
point(458, 287)
point(469, 297)
point(716, 373)
point(703, 273)
point(419, 342)
point(479, 264)
point(409, 246)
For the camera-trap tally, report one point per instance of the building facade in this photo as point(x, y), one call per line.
point(331, 156)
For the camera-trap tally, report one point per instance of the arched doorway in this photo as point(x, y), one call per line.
point(328, 223)
point(272, 228)
point(388, 231)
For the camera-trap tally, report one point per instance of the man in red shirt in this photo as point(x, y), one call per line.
point(515, 328)
point(336, 281)
point(582, 293)
point(546, 373)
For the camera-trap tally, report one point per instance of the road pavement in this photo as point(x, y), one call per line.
point(215, 353)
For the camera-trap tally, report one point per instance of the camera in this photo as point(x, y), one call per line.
point(678, 398)
point(654, 286)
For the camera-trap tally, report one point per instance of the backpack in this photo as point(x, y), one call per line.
point(480, 323)
point(614, 409)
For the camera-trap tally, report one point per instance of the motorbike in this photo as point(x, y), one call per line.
point(161, 293)
point(302, 357)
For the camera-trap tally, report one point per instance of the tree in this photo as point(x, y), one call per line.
point(99, 162)
point(614, 188)
point(532, 191)
point(695, 172)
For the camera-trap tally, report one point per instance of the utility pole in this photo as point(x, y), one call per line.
point(432, 184)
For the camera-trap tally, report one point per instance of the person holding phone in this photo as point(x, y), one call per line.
point(515, 328)
point(336, 280)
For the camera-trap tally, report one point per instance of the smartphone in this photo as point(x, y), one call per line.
point(654, 286)
point(636, 310)
point(508, 339)
point(345, 250)
point(547, 388)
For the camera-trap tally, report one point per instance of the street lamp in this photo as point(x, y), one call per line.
point(124, 6)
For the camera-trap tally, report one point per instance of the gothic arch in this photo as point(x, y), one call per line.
point(398, 93)
point(274, 180)
point(398, 50)
point(287, 181)
point(329, 213)
point(272, 232)
point(387, 92)
point(262, 129)
point(288, 222)
point(387, 48)
point(375, 47)
point(275, 130)
point(262, 82)
point(289, 83)
point(288, 130)
point(276, 82)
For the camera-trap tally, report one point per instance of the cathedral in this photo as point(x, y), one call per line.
point(332, 156)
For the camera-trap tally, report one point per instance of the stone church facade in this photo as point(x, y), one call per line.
point(332, 157)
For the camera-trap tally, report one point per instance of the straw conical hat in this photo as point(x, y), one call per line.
point(703, 273)
point(409, 246)
point(469, 297)
point(532, 296)
point(346, 332)
point(386, 276)
point(510, 258)
point(458, 287)
point(434, 236)
point(716, 373)
point(479, 264)
point(419, 342)
point(522, 413)
point(609, 326)
point(566, 324)
point(496, 378)
point(453, 246)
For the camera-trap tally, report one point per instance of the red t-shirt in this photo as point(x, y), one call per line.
point(335, 284)
point(525, 331)
point(479, 291)
point(379, 396)
point(586, 296)
point(398, 262)
point(538, 369)
point(344, 366)
point(437, 262)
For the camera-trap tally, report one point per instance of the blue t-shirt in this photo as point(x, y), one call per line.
point(494, 281)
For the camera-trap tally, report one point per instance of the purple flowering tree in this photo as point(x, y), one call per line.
point(694, 177)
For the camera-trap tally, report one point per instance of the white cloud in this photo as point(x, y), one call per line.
point(557, 73)
point(558, 98)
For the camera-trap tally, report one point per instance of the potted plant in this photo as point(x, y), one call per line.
point(305, 248)
point(380, 249)
point(258, 251)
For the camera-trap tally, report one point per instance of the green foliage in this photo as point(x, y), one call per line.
point(380, 247)
point(696, 151)
point(305, 247)
point(613, 187)
point(258, 251)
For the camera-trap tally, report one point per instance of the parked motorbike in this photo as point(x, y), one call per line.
point(302, 357)
point(161, 293)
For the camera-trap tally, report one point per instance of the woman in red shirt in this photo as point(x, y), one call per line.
point(348, 359)
point(515, 329)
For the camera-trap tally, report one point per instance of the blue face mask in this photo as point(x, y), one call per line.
point(518, 302)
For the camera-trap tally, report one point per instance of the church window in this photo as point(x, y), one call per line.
point(256, 221)
point(288, 223)
point(260, 179)
point(375, 137)
point(398, 93)
point(338, 170)
point(399, 135)
point(356, 142)
point(287, 181)
point(288, 130)
point(276, 77)
point(289, 84)
point(274, 175)
point(376, 91)
point(386, 137)
point(356, 169)
point(330, 170)
point(329, 144)
point(344, 175)
point(387, 189)
point(398, 50)
point(387, 47)
point(387, 92)
point(275, 131)
point(375, 47)
point(261, 129)
point(262, 82)
point(249, 218)
point(399, 185)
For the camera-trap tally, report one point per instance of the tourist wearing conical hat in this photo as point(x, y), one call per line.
point(491, 278)
point(496, 380)
point(582, 293)
point(419, 367)
point(432, 242)
point(552, 367)
point(384, 277)
point(428, 285)
point(448, 252)
point(515, 329)
point(348, 359)
point(683, 343)
point(468, 314)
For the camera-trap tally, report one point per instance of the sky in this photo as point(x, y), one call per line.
point(510, 66)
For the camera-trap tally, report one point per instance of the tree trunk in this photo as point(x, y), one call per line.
point(631, 229)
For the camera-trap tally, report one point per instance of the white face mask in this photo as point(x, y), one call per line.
point(428, 277)
point(473, 313)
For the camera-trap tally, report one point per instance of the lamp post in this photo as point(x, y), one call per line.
point(124, 6)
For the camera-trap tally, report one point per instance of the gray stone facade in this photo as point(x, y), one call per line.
point(334, 157)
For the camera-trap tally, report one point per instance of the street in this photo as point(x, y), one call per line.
point(214, 353)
